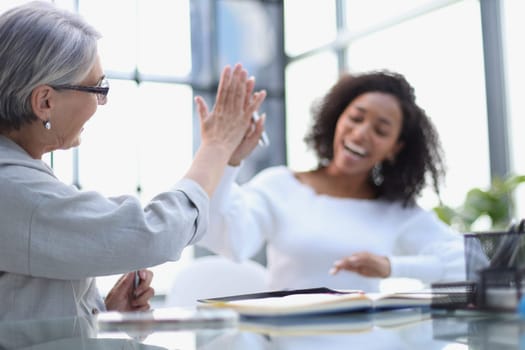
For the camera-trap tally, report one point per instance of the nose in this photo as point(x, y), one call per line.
point(361, 131)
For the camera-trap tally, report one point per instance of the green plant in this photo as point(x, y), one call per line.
point(496, 202)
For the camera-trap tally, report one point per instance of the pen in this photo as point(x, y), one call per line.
point(264, 140)
point(136, 281)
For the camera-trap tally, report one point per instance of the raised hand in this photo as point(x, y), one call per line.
point(230, 119)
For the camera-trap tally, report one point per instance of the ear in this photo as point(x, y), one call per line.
point(395, 151)
point(41, 102)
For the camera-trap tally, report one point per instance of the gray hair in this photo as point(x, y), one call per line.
point(40, 44)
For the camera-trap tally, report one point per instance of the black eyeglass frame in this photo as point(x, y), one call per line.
point(100, 90)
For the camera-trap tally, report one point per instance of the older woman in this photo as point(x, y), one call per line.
point(354, 219)
point(55, 238)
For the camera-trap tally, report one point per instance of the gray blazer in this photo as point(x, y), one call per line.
point(55, 238)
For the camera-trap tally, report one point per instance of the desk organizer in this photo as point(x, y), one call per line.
point(495, 271)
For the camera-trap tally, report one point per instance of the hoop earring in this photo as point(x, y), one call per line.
point(377, 174)
point(47, 125)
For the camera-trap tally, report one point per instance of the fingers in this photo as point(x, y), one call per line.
point(257, 100)
point(348, 263)
point(250, 84)
point(238, 87)
point(232, 88)
point(143, 293)
point(146, 276)
point(124, 283)
point(223, 84)
point(141, 301)
point(364, 263)
point(202, 107)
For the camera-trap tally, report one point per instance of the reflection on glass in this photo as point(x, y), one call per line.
point(63, 334)
point(415, 335)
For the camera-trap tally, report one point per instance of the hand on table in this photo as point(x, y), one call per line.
point(365, 264)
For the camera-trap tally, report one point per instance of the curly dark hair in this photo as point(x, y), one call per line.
point(421, 152)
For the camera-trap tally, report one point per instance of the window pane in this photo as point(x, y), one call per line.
point(116, 20)
point(151, 139)
point(7, 4)
point(444, 63)
point(308, 24)
point(247, 33)
point(146, 142)
point(299, 99)
point(152, 35)
point(514, 28)
point(164, 117)
point(62, 164)
point(111, 134)
point(362, 15)
point(164, 37)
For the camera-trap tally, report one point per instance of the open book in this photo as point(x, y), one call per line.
point(316, 301)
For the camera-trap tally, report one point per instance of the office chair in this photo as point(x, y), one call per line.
point(215, 276)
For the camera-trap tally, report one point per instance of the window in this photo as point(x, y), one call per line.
point(444, 63)
point(300, 94)
point(515, 56)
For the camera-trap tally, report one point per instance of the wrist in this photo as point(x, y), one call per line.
point(388, 267)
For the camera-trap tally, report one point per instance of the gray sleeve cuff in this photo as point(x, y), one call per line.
point(199, 198)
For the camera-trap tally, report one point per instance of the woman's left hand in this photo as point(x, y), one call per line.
point(364, 263)
point(250, 141)
point(124, 297)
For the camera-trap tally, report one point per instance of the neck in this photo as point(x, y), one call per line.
point(331, 182)
point(31, 138)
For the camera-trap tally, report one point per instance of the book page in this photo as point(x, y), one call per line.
point(400, 300)
point(298, 304)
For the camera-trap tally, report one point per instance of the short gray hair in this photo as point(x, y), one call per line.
point(40, 44)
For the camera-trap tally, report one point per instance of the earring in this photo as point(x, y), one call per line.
point(47, 124)
point(377, 174)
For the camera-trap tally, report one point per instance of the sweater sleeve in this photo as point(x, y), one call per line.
point(428, 250)
point(238, 219)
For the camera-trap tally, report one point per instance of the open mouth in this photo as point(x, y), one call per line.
point(355, 149)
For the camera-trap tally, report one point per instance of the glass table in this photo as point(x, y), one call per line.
point(399, 329)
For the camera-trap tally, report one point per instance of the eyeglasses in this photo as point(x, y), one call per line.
point(101, 90)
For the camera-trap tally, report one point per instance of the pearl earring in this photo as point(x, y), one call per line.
point(47, 124)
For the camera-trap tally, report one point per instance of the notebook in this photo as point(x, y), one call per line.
point(316, 301)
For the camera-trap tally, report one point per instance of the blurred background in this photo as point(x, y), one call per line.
point(463, 57)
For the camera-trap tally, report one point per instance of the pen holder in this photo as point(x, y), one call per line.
point(500, 289)
point(495, 262)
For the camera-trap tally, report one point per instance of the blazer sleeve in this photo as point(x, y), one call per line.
point(69, 234)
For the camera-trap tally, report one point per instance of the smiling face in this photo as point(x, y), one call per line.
point(367, 133)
